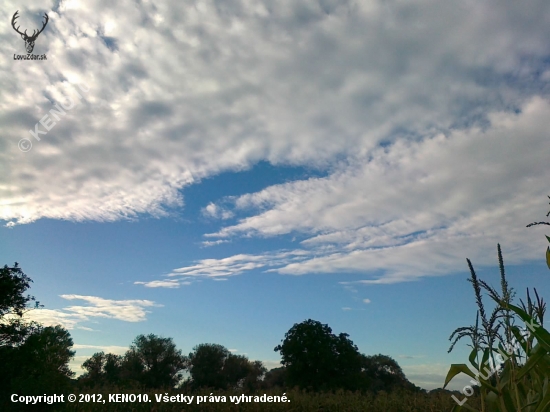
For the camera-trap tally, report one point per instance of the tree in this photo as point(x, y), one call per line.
point(153, 362)
point(102, 369)
point(34, 359)
point(381, 372)
point(112, 368)
point(213, 366)
point(317, 359)
point(206, 364)
point(13, 284)
point(38, 366)
point(13, 304)
point(94, 368)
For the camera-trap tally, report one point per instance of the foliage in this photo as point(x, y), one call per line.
point(13, 304)
point(154, 362)
point(102, 369)
point(13, 284)
point(34, 358)
point(150, 362)
point(39, 365)
point(213, 366)
point(382, 372)
point(316, 359)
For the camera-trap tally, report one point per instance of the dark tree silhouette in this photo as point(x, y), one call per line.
point(213, 366)
point(317, 359)
point(38, 366)
point(13, 304)
point(381, 372)
point(34, 359)
point(13, 284)
point(206, 364)
point(102, 369)
point(152, 361)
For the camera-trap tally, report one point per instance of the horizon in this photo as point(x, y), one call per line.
point(231, 169)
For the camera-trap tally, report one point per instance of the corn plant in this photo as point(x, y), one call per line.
point(518, 359)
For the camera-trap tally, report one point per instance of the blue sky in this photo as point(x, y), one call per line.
point(223, 170)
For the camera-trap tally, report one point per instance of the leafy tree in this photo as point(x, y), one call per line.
point(112, 368)
point(206, 364)
point(317, 359)
point(102, 369)
point(13, 284)
point(39, 365)
point(34, 359)
point(49, 352)
point(153, 361)
point(256, 372)
point(213, 366)
point(13, 304)
point(381, 372)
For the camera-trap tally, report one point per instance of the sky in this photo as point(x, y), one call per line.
point(218, 171)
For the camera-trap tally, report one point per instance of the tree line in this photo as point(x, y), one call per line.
point(35, 358)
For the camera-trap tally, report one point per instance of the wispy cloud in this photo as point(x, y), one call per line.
point(125, 310)
point(207, 243)
point(237, 264)
point(70, 317)
point(161, 284)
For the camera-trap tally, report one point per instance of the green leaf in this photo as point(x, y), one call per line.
point(542, 335)
point(457, 368)
point(548, 257)
point(472, 358)
point(537, 355)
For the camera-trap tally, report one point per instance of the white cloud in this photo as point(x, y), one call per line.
point(367, 301)
point(125, 310)
point(207, 243)
point(53, 317)
point(290, 83)
point(160, 284)
point(214, 211)
point(70, 317)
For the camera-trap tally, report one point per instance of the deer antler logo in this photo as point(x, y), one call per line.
point(29, 40)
